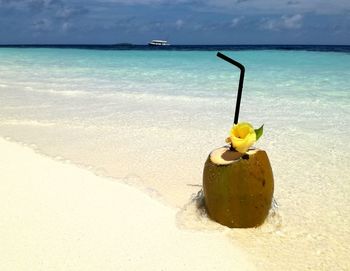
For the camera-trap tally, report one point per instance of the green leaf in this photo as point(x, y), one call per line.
point(259, 132)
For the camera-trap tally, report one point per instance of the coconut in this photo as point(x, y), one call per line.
point(238, 188)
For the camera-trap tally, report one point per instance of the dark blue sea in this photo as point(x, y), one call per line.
point(318, 48)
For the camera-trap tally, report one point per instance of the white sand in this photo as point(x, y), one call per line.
point(55, 216)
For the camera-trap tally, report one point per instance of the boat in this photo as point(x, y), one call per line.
point(158, 43)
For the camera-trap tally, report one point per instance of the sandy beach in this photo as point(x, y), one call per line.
point(56, 216)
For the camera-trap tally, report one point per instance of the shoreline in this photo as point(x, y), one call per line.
point(60, 217)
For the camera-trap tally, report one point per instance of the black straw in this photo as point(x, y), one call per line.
point(240, 86)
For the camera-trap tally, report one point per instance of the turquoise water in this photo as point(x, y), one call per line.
point(307, 81)
point(150, 118)
point(200, 73)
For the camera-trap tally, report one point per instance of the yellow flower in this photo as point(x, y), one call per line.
point(242, 136)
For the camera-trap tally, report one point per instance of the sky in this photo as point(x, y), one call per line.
point(178, 21)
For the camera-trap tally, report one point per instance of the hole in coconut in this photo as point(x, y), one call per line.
point(231, 155)
point(245, 157)
point(225, 156)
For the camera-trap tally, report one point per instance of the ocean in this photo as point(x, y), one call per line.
point(150, 117)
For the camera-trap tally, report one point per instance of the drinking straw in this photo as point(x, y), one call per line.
point(240, 86)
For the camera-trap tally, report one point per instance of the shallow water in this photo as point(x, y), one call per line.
point(152, 117)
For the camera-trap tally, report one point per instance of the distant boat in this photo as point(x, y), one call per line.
point(158, 43)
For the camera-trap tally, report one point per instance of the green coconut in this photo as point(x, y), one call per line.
point(238, 188)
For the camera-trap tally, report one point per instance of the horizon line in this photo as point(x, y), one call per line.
point(137, 44)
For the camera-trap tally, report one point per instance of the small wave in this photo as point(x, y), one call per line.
point(67, 93)
point(194, 216)
point(26, 122)
point(137, 95)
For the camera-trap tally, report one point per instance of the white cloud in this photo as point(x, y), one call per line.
point(66, 26)
point(236, 21)
point(292, 22)
point(250, 7)
point(179, 24)
point(64, 13)
point(135, 2)
point(283, 22)
point(42, 25)
point(68, 12)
